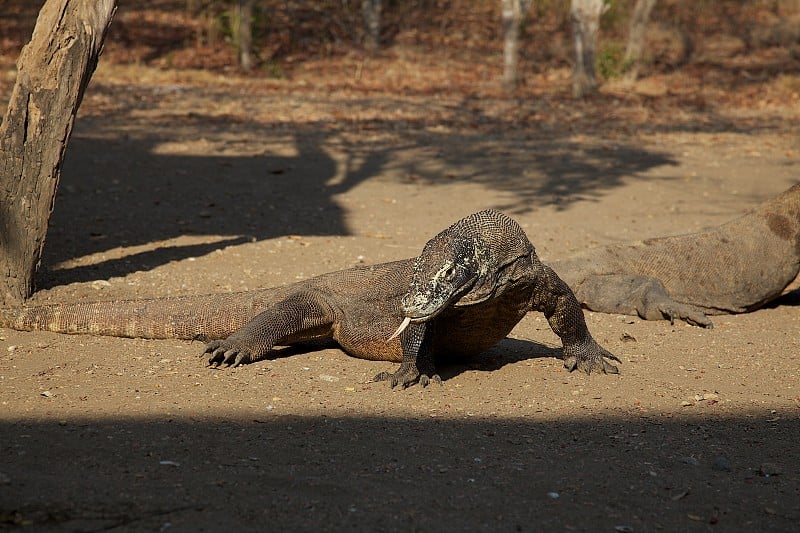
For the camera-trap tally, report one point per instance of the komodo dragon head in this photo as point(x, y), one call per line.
point(465, 264)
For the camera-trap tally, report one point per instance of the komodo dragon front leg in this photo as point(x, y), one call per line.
point(418, 364)
point(301, 316)
point(553, 297)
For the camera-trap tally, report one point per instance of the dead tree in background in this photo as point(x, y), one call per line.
point(371, 11)
point(53, 70)
point(585, 15)
point(635, 48)
point(514, 12)
point(243, 24)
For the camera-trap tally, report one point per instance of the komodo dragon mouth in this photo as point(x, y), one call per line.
point(428, 298)
point(412, 315)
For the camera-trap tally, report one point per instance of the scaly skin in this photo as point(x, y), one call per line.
point(470, 286)
point(733, 268)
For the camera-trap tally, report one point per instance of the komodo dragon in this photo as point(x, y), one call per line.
point(733, 268)
point(469, 287)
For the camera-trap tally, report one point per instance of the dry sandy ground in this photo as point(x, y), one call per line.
point(175, 187)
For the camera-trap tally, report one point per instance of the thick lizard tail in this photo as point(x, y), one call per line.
point(181, 317)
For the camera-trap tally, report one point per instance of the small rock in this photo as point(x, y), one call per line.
point(623, 529)
point(326, 377)
point(553, 495)
point(722, 464)
point(679, 496)
point(100, 284)
point(47, 394)
point(689, 461)
point(706, 396)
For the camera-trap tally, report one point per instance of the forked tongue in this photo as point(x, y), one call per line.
point(403, 325)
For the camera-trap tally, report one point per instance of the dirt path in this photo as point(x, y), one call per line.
point(173, 186)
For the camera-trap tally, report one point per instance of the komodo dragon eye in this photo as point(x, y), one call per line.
point(449, 273)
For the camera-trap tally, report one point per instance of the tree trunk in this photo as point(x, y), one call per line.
point(53, 70)
point(585, 15)
point(244, 34)
point(514, 12)
point(371, 11)
point(635, 47)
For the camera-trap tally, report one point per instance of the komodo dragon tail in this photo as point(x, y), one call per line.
point(180, 317)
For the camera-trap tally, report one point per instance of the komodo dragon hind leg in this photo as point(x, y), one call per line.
point(417, 365)
point(297, 318)
point(636, 295)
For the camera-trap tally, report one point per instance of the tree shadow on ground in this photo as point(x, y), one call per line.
point(312, 473)
point(230, 165)
point(121, 188)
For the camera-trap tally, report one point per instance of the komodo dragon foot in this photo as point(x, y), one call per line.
point(589, 357)
point(408, 374)
point(671, 310)
point(227, 352)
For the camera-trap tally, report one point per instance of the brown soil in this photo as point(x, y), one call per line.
point(180, 181)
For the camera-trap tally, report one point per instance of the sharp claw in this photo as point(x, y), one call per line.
point(229, 356)
point(381, 376)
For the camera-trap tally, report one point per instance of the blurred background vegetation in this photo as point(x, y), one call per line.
point(203, 33)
